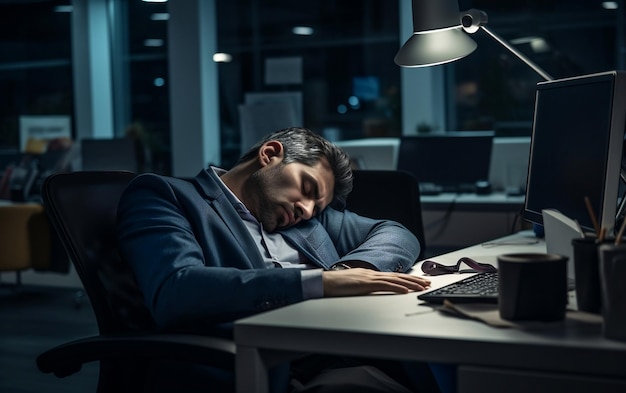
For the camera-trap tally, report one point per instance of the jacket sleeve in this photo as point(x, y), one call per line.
point(192, 270)
point(378, 244)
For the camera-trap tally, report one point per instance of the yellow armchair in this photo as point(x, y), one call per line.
point(24, 237)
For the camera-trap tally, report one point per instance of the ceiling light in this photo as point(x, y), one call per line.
point(153, 42)
point(302, 30)
point(222, 58)
point(63, 8)
point(160, 16)
point(537, 44)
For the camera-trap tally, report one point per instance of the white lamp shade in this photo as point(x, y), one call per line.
point(434, 47)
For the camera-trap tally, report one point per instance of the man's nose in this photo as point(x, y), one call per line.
point(307, 208)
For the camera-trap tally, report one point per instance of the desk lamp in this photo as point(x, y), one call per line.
point(439, 35)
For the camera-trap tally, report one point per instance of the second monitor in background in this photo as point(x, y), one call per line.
point(451, 162)
point(372, 153)
point(109, 154)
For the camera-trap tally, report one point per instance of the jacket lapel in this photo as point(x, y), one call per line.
point(211, 187)
point(310, 238)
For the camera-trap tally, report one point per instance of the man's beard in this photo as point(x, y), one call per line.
point(259, 188)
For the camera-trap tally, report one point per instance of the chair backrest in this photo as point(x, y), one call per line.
point(82, 208)
point(392, 195)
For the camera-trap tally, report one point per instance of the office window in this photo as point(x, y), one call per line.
point(337, 54)
point(346, 50)
point(35, 64)
point(491, 89)
point(341, 51)
point(141, 86)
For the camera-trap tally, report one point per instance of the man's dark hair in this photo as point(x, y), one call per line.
point(306, 147)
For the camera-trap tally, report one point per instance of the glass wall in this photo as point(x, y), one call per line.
point(336, 55)
point(141, 49)
point(35, 65)
point(491, 89)
point(348, 58)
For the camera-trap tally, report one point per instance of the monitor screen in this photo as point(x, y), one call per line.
point(576, 148)
point(372, 153)
point(450, 159)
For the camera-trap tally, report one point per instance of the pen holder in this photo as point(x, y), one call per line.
point(587, 274)
point(612, 259)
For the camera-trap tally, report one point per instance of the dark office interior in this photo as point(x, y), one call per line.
point(350, 53)
point(349, 85)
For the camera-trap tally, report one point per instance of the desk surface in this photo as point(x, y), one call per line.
point(401, 327)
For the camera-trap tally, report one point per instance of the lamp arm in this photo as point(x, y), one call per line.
point(519, 54)
point(473, 19)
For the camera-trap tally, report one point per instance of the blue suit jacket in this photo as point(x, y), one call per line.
point(196, 262)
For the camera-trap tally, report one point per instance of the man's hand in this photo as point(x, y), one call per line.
point(359, 281)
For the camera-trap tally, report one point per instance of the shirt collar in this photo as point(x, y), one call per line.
point(237, 204)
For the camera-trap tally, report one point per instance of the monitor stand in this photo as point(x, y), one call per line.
point(621, 210)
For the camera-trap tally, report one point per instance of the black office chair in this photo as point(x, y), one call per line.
point(82, 208)
point(392, 195)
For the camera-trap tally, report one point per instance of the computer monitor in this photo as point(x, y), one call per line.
point(452, 159)
point(576, 148)
point(109, 154)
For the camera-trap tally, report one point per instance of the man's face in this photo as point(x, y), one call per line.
point(280, 196)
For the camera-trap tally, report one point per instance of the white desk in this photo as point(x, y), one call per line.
point(563, 356)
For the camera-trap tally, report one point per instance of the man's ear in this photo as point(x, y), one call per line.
point(271, 151)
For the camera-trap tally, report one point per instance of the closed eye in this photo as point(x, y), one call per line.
point(310, 190)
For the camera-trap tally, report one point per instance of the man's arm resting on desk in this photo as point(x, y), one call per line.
point(358, 281)
point(369, 243)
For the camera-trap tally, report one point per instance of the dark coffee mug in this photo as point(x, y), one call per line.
point(532, 286)
point(587, 274)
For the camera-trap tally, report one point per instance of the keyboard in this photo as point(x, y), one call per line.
point(436, 189)
point(479, 288)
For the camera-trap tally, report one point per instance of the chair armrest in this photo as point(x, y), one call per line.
point(68, 358)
